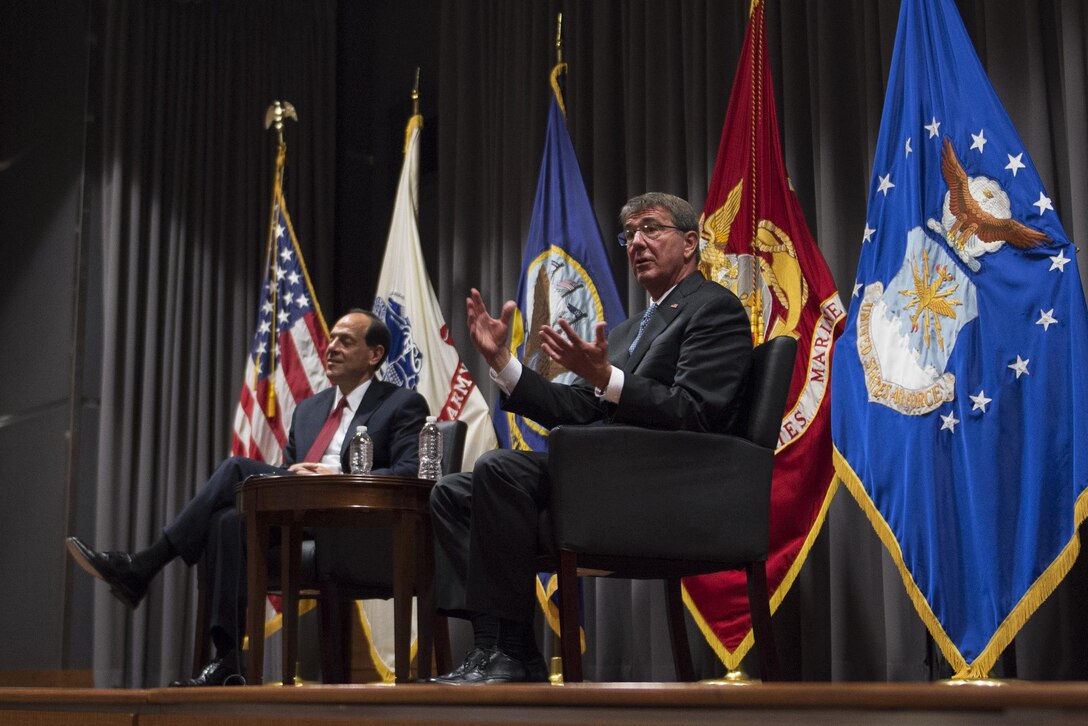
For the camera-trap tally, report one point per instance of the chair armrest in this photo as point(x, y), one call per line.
point(629, 491)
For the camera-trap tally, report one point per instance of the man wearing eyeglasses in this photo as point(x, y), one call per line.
point(681, 365)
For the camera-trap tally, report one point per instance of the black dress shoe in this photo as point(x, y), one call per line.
point(220, 672)
point(113, 568)
point(468, 671)
point(502, 668)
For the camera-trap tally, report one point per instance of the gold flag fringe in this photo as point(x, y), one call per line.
point(1039, 591)
point(732, 659)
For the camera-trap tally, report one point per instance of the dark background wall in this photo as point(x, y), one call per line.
point(50, 273)
point(48, 395)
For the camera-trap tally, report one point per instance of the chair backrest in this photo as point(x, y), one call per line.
point(772, 369)
point(453, 445)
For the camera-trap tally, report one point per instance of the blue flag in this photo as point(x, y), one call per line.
point(564, 274)
point(959, 397)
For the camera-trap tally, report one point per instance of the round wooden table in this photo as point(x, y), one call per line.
point(341, 500)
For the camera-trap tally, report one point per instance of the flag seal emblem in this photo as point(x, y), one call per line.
point(906, 331)
point(404, 360)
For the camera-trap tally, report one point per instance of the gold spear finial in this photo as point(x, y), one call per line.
point(415, 95)
point(276, 113)
point(560, 67)
point(559, 39)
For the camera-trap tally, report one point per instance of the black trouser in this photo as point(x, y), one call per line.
point(209, 526)
point(485, 528)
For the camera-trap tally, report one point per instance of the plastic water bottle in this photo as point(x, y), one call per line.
point(361, 453)
point(430, 450)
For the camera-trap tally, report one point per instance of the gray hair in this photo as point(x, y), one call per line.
point(683, 216)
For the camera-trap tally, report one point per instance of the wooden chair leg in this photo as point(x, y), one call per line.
point(569, 625)
point(442, 656)
point(674, 610)
point(759, 607)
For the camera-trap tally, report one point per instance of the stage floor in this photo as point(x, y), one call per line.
point(620, 703)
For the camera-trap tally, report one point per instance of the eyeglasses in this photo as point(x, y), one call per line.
point(650, 230)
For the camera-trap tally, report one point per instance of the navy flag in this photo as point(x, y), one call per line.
point(564, 276)
point(564, 272)
point(959, 391)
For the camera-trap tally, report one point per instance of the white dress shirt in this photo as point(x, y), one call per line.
point(331, 457)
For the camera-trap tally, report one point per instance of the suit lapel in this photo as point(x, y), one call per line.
point(372, 399)
point(662, 318)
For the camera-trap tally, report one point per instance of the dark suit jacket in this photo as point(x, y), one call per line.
point(393, 417)
point(687, 372)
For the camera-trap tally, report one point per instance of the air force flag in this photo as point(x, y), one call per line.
point(959, 401)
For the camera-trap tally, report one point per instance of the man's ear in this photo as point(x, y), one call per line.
point(376, 354)
point(691, 245)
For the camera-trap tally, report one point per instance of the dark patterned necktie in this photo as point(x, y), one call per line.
point(642, 326)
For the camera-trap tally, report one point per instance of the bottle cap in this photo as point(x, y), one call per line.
point(432, 419)
point(360, 429)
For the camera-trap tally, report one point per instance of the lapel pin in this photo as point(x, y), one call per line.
point(675, 305)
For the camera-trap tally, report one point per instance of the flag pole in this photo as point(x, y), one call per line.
point(753, 153)
point(560, 67)
point(274, 116)
point(416, 120)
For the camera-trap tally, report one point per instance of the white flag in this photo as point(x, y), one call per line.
point(422, 355)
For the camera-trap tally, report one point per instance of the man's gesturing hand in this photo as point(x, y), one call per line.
point(487, 333)
point(585, 359)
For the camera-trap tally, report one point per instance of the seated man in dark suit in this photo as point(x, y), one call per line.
point(209, 524)
point(681, 365)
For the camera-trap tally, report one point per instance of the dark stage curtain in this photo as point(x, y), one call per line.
point(186, 193)
point(186, 175)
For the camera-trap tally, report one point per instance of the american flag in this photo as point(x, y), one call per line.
point(286, 359)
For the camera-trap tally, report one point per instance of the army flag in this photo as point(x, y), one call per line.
point(960, 401)
point(421, 355)
point(756, 243)
point(287, 356)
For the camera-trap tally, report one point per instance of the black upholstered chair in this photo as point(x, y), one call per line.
point(350, 570)
point(641, 503)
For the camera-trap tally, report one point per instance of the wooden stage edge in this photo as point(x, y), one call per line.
point(1014, 702)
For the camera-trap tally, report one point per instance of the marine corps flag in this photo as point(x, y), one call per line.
point(960, 397)
point(421, 355)
point(756, 244)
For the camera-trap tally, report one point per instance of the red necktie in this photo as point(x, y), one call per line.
point(324, 436)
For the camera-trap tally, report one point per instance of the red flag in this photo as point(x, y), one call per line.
point(756, 243)
point(286, 359)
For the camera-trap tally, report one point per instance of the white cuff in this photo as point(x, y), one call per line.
point(508, 377)
point(615, 386)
